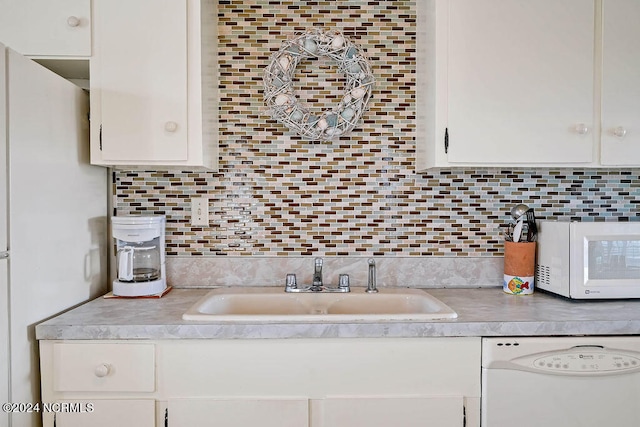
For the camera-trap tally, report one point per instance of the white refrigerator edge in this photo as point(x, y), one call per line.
point(53, 218)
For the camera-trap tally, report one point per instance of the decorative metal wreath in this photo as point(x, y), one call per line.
point(280, 96)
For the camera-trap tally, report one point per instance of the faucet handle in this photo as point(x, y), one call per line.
point(343, 282)
point(291, 283)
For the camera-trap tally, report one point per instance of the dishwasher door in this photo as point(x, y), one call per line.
point(561, 382)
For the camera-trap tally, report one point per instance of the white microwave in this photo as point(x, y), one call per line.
point(589, 260)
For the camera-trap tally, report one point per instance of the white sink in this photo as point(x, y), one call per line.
point(269, 304)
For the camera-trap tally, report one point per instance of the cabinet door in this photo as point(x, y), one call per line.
point(520, 81)
point(140, 71)
point(46, 27)
point(393, 411)
point(620, 83)
point(267, 412)
point(104, 413)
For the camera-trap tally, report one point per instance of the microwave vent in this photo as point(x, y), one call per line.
point(543, 274)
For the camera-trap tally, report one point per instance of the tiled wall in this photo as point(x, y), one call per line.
point(278, 195)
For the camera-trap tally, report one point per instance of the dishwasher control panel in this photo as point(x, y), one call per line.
point(586, 361)
point(578, 356)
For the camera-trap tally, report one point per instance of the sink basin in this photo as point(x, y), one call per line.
point(267, 304)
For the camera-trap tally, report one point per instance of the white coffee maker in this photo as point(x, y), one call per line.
point(140, 257)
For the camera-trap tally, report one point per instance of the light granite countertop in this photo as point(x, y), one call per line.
point(481, 312)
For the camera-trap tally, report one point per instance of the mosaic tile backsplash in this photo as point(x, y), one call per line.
point(276, 194)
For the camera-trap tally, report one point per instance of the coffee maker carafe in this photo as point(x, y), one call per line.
point(140, 258)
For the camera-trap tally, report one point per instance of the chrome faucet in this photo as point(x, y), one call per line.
point(371, 283)
point(317, 284)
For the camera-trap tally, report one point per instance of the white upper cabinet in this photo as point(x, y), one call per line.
point(621, 83)
point(46, 27)
point(146, 84)
point(528, 83)
point(514, 82)
point(141, 60)
point(520, 84)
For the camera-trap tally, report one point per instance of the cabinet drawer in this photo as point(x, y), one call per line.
point(47, 27)
point(104, 367)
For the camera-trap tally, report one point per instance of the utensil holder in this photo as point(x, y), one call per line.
point(519, 267)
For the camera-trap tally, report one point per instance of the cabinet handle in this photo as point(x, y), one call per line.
point(581, 129)
point(171, 126)
point(73, 21)
point(620, 132)
point(102, 370)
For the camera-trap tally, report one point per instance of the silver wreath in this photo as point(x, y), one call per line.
point(280, 96)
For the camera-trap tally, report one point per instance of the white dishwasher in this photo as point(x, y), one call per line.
point(561, 382)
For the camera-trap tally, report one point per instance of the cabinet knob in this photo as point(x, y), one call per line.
point(171, 126)
point(581, 129)
point(620, 132)
point(73, 21)
point(102, 370)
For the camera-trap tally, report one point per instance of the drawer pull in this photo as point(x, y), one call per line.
point(73, 21)
point(620, 132)
point(171, 126)
point(102, 370)
point(581, 129)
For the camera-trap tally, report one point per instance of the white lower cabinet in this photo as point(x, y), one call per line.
point(105, 413)
point(239, 412)
point(337, 411)
point(404, 382)
point(383, 411)
point(110, 383)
